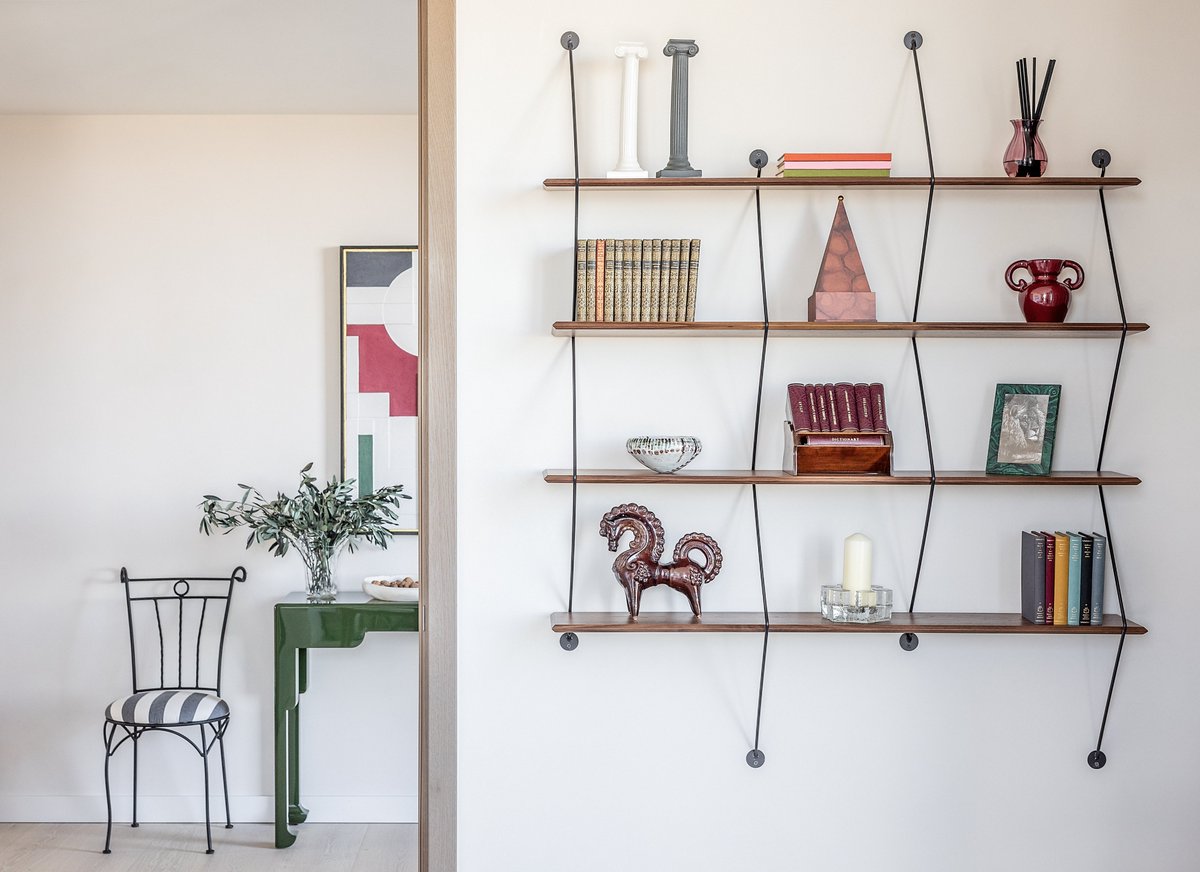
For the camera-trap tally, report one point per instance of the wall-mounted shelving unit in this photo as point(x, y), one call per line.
point(907, 624)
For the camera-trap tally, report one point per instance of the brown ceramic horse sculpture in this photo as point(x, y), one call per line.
point(637, 568)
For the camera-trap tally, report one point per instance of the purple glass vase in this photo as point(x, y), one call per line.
point(1025, 157)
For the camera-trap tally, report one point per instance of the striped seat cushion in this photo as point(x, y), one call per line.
point(168, 708)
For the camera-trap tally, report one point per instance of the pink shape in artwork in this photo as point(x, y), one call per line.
point(385, 367)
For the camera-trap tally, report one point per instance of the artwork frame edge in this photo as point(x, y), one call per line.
point(994, 465)
point(343, 250)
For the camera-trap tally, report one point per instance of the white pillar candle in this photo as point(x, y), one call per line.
point(856, 563)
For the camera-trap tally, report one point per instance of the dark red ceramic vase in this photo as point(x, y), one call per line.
point(1045, 299)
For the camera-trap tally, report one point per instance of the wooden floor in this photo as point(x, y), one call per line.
point(180, 848)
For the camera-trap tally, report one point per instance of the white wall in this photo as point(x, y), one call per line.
point(969, 752)
point(169, 327)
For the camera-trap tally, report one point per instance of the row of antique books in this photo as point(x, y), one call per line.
point(801, 165)
point(636, 279)
point(1062, 578)
point(842, 407)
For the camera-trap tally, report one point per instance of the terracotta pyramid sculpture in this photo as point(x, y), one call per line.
point(842, 292)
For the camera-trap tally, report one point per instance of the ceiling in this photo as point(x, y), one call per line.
point(208, 56)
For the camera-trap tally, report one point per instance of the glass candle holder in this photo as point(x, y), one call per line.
point(856, 606)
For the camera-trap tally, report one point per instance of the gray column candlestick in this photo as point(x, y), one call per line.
point(627, 164)
point(679, 50)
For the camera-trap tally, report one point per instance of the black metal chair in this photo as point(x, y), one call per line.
point(188, 630)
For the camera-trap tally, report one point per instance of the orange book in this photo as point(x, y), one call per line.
point(1061, 577)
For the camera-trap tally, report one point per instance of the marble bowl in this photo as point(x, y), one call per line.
point(390, 594)
point(663, 454)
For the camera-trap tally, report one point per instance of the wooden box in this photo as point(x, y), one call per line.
point(801, 458)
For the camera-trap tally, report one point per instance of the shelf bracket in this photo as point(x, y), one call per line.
point(570, 41)
point(913, 41)
point(568, 641)
point(909, 641)
point(1096, 759)
point(758, 159)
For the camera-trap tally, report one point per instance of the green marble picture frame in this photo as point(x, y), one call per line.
point(1024, 421)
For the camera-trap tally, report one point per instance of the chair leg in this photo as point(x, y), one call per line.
point(135, 779)
point(207, 816)
point(225, 776)
point(108, 736)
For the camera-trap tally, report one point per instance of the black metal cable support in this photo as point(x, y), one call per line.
point(912, 41)
point(1096, 759)
point(758, 159)
point(570, 41)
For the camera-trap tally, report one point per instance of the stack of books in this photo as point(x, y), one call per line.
point(799, 165)
point(853, 414)
point(636, 279)
point(1062, 578)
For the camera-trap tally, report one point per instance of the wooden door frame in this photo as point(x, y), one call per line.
point(437, 236)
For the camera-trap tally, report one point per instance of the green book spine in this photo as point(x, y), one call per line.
point(833, 174)
point(1074, 555)
point(693, 278)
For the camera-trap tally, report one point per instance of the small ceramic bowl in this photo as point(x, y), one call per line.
point(387, 593)
point(664, 453)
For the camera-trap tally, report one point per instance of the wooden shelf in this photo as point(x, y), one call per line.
point(776, 476)
point(749, 182)
point(843, 330)
point(812, 622)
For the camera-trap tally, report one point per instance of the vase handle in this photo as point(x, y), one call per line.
point(1012, 268)
point(1067, 283)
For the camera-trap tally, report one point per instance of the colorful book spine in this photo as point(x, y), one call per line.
point(602, 273)
point(580, 279)
point(589, 313)
point(1033, 577)
point(693, 278)
point(1099, 549)
point(835, 420)
point(878, 411)
point(673, 282)
point(1085, 579)
point(798, 409)
point(658, 293)
point(1074, 554)
point(1050, 556)
point(1061, 557)
point(618, 259)
point(822, 409)
point(847, 416)
point(862, 407)
point(833, 174)
point(835, 165)
point(635, 302)
point(647, 275)
point(834, 156)
point(627, 280)
point(608, 301)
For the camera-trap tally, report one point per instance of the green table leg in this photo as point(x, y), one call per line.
point(297, 814)
point(285, 711)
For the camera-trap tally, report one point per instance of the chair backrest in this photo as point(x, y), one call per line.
point(184, 627)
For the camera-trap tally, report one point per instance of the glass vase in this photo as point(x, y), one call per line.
point(1025, 157)
point(319, 565)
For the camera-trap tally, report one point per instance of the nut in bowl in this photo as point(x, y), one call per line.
point(663, 454)
point(392, 588)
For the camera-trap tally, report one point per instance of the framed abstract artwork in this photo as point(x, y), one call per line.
point(1024, 421)
point(379, 371)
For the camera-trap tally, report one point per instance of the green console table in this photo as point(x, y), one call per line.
point(300, 625)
